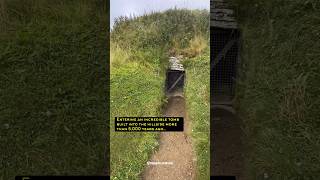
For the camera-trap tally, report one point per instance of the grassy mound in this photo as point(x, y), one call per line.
point(52, 87)
point(140, 47)
point(279, 87)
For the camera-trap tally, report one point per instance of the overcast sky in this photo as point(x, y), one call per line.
point(139, 7)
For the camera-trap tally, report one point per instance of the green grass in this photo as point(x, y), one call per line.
point(161, 30)
point(197, 92)
point(140, 47)
point(53, 59)
point(136, 90)
point(279, 88)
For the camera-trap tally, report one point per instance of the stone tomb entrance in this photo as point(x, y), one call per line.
point(175, 77)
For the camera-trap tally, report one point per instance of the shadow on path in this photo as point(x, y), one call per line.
point(226, 144)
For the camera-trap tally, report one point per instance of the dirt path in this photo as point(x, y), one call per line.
point(226, 144)
point(175, 148)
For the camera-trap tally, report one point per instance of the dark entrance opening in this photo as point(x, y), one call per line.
point(174, 81)
point(226, 133)
point(224, 45)
point(227, 146)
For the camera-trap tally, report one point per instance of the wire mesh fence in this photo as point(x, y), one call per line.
point(224, 43)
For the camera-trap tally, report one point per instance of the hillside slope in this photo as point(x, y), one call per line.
point(140, 48)
point(53, 87)
point(279, 87)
